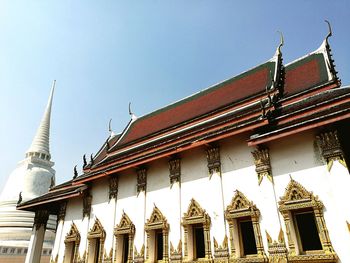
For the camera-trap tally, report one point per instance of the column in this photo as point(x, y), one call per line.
point(37, 237)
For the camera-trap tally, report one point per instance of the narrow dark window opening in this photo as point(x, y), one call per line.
point(247, 237)
point(198, 241)
point(159, 245)
point(125, 248)
point(97, 250)
point(307, 231)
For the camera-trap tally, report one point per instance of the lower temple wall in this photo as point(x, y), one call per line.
point(294, 158)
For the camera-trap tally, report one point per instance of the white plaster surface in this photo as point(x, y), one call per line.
point(293, 157)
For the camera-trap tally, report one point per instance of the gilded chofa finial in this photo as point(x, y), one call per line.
point(329, 31)
point(109, 125)
point(75, 172)
point(278, 50)
point(133, 116)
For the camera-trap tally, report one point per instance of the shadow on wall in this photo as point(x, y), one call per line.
point(295, 153)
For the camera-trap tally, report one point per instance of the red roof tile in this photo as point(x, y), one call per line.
point(305, 73)
point(243, 86)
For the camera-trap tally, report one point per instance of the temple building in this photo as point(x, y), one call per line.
point(32, 178)
point(253, 169)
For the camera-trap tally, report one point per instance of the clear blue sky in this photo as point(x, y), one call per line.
point(104, 54)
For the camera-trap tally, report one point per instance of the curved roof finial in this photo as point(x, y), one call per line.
point(133, 116)
point(278, 50)
point(109, 125)
point(329, 30)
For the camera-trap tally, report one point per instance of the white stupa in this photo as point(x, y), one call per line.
point(33, 177)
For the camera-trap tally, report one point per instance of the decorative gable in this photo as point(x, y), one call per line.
point(195, 214)
point(97, 231)
point(156, 220)
point(296, 197)
point(240, 206)
point(73, 235)
point(125, 226)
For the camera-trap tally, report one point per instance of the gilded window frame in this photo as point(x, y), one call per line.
point(197, 215)
point(239, 208)
point(73, 236)
point(97, 232)
point(125, 227)
point(297, 198)
point(157, 222)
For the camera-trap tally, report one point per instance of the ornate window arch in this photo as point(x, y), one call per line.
point(157, 223)
point(238, 210)
point(196, 215)
point(125, 229)
point(96, 237)
point(72, 241)
point(297, 199)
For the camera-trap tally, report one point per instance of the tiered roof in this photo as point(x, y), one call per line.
point(268, 101)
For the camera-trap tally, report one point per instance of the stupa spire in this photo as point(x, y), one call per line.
point(40, 146)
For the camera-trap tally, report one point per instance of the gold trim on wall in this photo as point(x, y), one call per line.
point(213, 158)
point(331, 148)
point(277, 249)
point(157, 222)
point(126, 226)
point(262, 164)
point(295, 198)
point(241, 207)
point(174, 171)
point(221, 254)
point(97, 232)
point(176, 254)
point(73, 236)
point(197, 215)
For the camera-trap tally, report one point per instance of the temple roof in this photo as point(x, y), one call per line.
point(238, 96)
point(267, 101)
point(235, 89)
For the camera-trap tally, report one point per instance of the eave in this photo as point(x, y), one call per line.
point(47, 200)
point(309, 117)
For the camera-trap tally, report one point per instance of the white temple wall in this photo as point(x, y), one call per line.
point(165, 198)
point(104, 210)
point(132, 204)
point(294, 157)
point(298, 157)
point(74, 214)
point(197, 184)
point(239, 174)
point(58, 239)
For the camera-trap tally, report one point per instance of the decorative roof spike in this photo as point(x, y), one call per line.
point(133, 116)
point(75, 172)
point(329, 31)
point(278, 50)
point(112, 134)
point(84, 161)
point(41, 141)
point(326, 50)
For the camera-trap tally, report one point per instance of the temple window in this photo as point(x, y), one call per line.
point(306, 230)
point(305, 225)
point(96, 238)
point(196, 223)
point(124, 233)
point(245, 237)
point(71, 241)
point(198, 241)
point(157, 230)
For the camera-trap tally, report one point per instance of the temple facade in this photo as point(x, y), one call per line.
point(253, 169)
